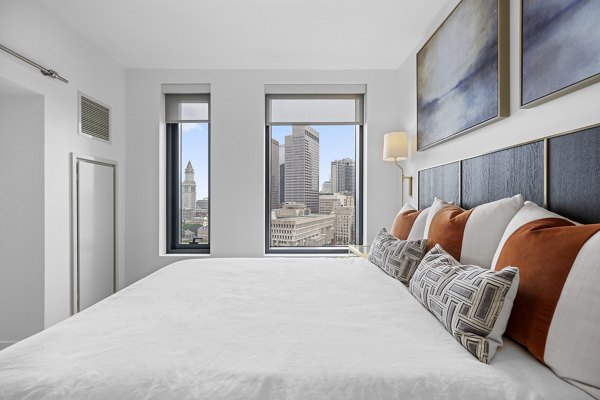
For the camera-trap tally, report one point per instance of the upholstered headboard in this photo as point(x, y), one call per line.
point(561, 172)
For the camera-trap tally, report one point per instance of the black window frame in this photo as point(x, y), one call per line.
point(173, 199)
point(358, 201)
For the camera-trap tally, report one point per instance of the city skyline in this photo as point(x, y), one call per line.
point(308, 217)
point(302, 154)
point(194, 149)
point(193, 212)
point(336, 142)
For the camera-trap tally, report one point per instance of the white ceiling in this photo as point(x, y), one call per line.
point(253, 34)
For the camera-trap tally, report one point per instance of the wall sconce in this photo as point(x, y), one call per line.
point(395, 148)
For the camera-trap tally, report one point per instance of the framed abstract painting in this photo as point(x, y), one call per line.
point(463, 72)
point(560, 48)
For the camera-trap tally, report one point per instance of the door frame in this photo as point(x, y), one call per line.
point(75, 158)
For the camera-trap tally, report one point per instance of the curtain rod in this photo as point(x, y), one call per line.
point(45, 71)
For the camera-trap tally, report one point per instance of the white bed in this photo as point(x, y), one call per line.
point(326, 328)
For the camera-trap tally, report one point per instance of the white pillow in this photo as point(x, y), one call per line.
point(481, 227)
point(436, 206)
point(417, 231)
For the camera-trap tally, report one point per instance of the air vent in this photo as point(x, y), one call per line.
point(94, 119)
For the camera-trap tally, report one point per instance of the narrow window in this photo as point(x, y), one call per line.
point(313, 172)
point(188, 173)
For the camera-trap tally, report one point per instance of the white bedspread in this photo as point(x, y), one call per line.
point(326, 328)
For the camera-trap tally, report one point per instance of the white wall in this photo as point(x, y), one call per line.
point(32, 30)
point(573, 111)
point(237, 144)
point(22, 216)
point(237, 157)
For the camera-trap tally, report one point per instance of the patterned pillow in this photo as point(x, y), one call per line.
point(397, 258)
point(472, 303)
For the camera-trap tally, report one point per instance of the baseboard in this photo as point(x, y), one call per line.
point(5, 343)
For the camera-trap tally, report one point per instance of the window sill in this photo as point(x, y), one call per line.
point(307, 255)
point(307, 252)
point(187, 255)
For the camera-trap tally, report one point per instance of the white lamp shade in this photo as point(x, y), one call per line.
point(395, 146)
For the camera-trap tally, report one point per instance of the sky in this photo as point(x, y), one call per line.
point(194, 148)
point(336, 142)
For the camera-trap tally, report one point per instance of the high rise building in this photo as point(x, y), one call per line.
point(326, 187)
point(343, 176)
point(282, 182)
point(349, 200)
point(274, 174)
point(188, 193)
point(344, 225)
point(302, 167)
point(202, 205)
point(327, 202)
point(292, 227)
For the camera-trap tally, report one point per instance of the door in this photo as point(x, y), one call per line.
point(94, 272)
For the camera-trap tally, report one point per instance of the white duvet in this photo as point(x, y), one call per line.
point(327, 328)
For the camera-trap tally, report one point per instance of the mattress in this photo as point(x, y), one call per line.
point(269, 328)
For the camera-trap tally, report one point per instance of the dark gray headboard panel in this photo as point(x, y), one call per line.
point(442, 182)
point(503, 174)
point(561, 172)
point(574, 175)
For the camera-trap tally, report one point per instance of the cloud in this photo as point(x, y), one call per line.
point(193, 127)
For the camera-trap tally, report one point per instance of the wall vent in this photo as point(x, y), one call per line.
point(94, 119)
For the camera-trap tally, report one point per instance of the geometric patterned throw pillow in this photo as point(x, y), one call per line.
point(397, 258)
point(472, 303)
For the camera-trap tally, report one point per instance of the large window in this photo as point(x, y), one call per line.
point(188, 177)
point(314, 179)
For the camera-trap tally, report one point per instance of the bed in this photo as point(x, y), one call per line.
point(270, 328)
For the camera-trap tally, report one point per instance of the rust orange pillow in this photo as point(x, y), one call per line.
point(403, 223)
point(447, 229)
point(556, 312)
point(544, 250)
point(471, 236)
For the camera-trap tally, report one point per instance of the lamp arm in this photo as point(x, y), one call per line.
point(399, 166)
point(409, 178)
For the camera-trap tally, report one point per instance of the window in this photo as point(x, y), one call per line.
point(188, 173)
point(313, 170)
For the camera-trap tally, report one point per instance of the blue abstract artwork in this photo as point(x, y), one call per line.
point(560, 47)
point(458, 74)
